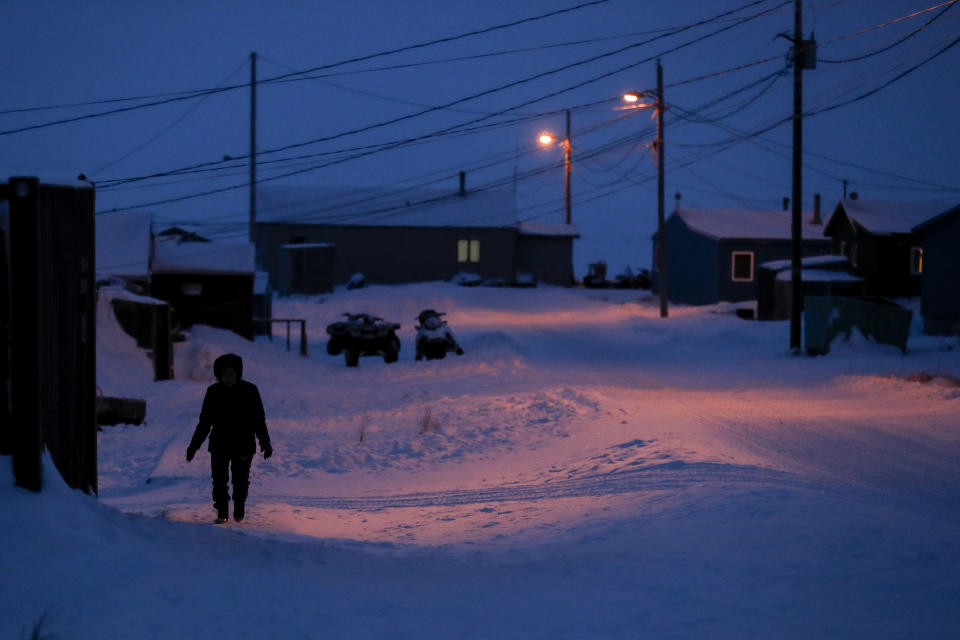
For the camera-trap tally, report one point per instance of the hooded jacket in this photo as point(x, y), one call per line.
point(232, 416)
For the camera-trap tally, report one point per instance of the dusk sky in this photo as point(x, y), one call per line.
point(476, 103)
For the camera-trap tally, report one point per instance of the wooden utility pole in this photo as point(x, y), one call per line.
point(566, 167)
point(253, 144)
point(661, 233)
point(797, 218)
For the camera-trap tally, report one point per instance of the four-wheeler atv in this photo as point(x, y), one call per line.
point(434, 337)
point(363, 335)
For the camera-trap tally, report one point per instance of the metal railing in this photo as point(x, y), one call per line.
point(288, 322)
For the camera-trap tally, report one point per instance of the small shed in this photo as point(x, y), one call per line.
point(820, 276)
point(148, 320)
point(205, 282)
point(879, 238)
point(712, 254)
point(939, 264)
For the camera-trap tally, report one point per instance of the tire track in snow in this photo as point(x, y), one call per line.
point(669, 476)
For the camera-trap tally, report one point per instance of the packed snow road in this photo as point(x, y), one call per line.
point(585, 470)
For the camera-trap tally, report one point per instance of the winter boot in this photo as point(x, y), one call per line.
point(223, 515)
point(238, 511)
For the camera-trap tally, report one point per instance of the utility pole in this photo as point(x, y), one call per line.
point(253, 144)
point(566, 167)
point(661, 233)
point(796, 228)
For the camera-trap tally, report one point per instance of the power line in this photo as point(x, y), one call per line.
point(899, 41)
point(487, 92)
point(175, 97)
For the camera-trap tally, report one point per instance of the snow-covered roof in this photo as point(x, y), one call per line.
point(892, 216)
point(820, 275)
point(747, 224)
point(123, 244)
point(810, 261)
point(119, 293)
point(384, 208)
point(546, 229)
point(172, 255)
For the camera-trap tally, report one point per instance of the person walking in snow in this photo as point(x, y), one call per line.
point(233, 409)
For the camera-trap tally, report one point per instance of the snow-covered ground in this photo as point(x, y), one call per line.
point(586, 470)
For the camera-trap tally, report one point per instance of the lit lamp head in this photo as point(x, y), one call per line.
point(545, 138)
point(631, 97)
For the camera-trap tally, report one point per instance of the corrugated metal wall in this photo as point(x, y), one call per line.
point(53, 350)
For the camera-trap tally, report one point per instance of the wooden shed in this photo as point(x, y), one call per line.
point(207, 283)
point(713, 254)
point(939, 264)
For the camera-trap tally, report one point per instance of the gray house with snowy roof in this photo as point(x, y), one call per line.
point(713, 254)
point(409, 236)
point(880, 238)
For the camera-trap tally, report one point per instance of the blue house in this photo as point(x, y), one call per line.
point(939, 266)
point(713, 254)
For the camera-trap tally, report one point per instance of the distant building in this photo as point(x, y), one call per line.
point(713, 254)
point(406, 236)
point(204, 282)
point(880, 239)
point(939, 264)
point(207, 283)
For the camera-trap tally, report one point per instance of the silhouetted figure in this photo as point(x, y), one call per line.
point(232, 407)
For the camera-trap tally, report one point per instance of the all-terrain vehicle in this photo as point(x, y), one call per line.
point(362, 334)
point(434, 337)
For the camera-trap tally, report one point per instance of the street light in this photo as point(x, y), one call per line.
point(546, 139)
point(633, 99)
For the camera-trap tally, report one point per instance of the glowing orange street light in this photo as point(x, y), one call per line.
point(547, 138)
point(631, 97)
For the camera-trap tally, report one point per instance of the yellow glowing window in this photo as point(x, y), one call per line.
point(468, 251)
point(916, 260)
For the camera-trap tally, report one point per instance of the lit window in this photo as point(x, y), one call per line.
point(916, 261)
point(743, 266)
point(468, 251)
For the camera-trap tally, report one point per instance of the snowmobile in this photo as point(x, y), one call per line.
point(434, 337)
point(362, 334)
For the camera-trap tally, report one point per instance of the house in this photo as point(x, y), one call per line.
point(879, 238)
point(712, 254)
point(407, 236)
point(939, 264)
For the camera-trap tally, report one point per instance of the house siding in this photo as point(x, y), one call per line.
point(547, 258)
point(692, 260)
point(225, 301)
point(940, 304)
